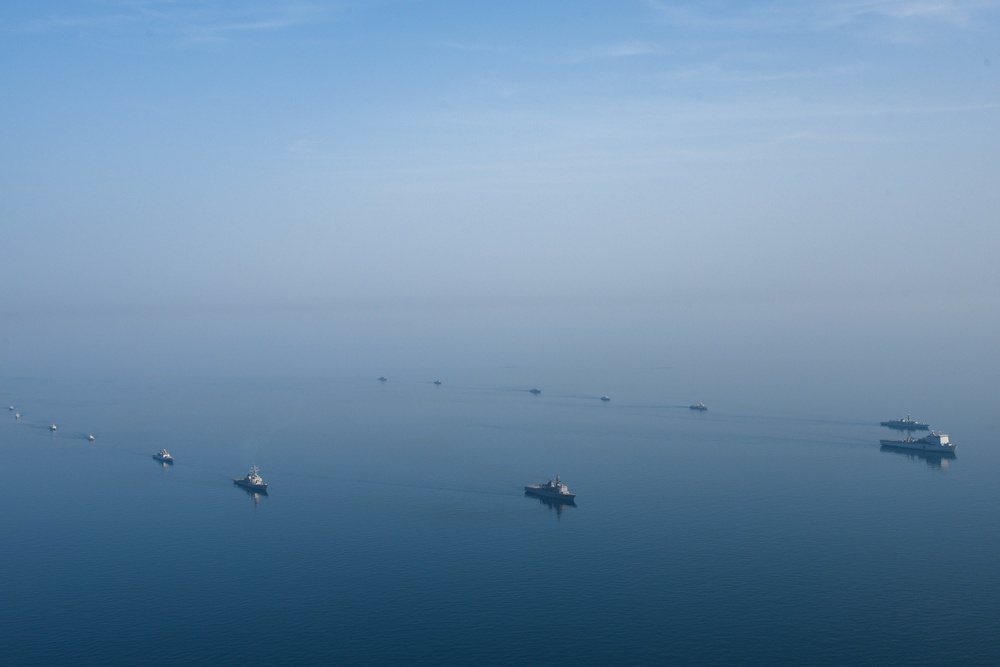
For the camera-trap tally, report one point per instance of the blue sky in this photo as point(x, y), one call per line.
point(172, 154)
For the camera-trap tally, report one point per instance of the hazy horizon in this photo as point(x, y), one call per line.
point(794, 202)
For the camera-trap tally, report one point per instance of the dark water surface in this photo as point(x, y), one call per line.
point(397, 531)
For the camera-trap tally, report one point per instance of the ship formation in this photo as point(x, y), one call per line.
point(935, 442)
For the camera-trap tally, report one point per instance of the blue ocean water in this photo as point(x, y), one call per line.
point(396, 530)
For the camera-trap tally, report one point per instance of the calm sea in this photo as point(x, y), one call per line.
point(396, 530)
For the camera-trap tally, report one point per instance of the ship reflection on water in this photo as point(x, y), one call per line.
point(934, 460)
point(254, 496)
point(552, 503)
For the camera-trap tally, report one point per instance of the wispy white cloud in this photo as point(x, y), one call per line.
point(738, 17)
point(781, 15)
point(908, 22)
point(628, 49)
point(479, 47)
point(222, 28)
point(183, 20)
point(104, 22)
point(955, 12)
point(625, 49)
point(717, 73)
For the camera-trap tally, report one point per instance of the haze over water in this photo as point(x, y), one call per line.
point(770, 529)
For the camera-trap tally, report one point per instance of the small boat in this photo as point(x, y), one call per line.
point(437, 381)
point(17, 415)
point(163, 456)
point(701, 407)
point(10, 407)
point(252, 481)
point(90, 437)
point(554, 489)
point(906, 424)
point(605, 398)
point(383, 379)
point(535, 390)
point(935, 442)
point(53, 427)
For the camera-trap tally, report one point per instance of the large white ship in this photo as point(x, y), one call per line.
point(935, 442)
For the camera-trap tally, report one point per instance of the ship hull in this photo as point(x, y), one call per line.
point(542, 493)
point(163, 460)
point(918, 446)
point(257, 488)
